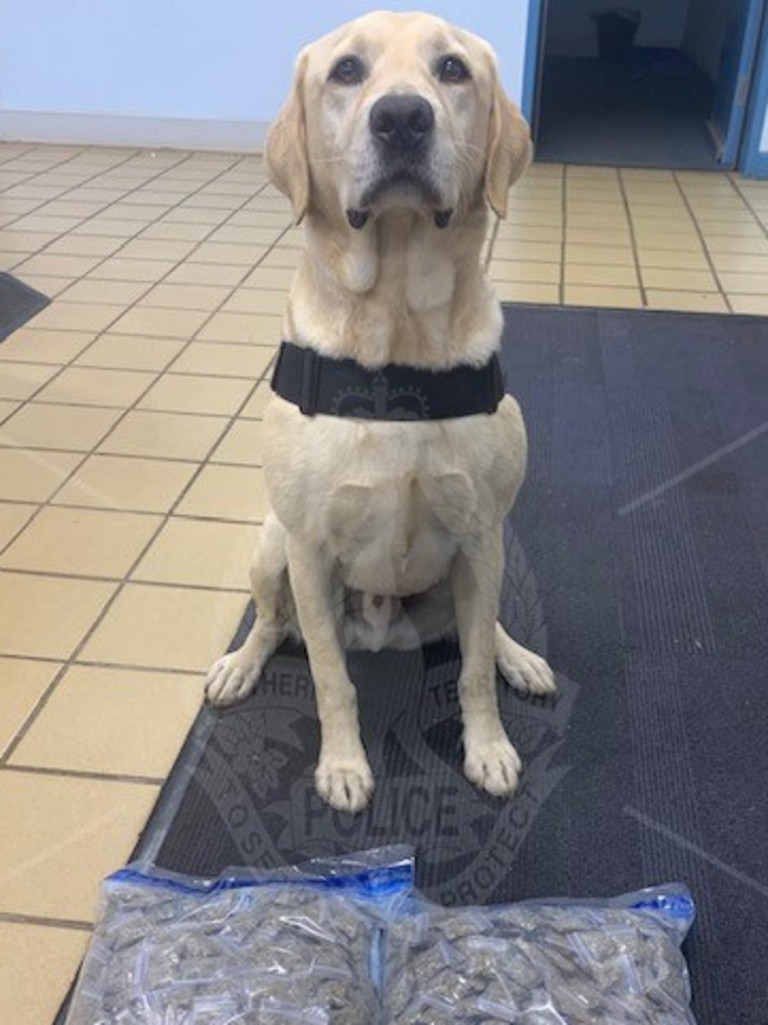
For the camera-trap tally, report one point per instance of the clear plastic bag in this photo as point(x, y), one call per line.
point(297, 946)
point(611, 962)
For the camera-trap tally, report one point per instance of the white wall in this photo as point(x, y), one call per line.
point(705, 32)
point(66, 65)
point(571, 31)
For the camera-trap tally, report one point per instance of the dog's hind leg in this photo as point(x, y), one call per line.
point(235, 675)
point(522, 669)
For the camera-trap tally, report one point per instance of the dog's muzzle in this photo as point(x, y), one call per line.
point(402, 126)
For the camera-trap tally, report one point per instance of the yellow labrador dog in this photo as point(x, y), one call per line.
point(396, 138)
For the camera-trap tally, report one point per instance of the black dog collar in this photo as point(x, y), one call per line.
point(342, 387)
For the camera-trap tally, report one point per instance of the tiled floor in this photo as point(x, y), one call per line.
point(130, 488)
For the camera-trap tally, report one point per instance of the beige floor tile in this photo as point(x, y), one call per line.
point(743, 226)
point(243, 443)
point(118, 268)
point(126, 483)
point(693, 259)
point(129, 723)
point(85, 245)
point(165, 435)
point(577, 252)
point(285, 258)
point(176, 231)
point(227, 493)
point(735, 244)
point(7, 407)
point(222, 252)
point(246, 237)
point(220, 359)
point(23, 241)
point(53, 829)
point(73, 428)
point(81, 542)
point(13, 516)
point(47, 285)
point(166, 627)
point(186, 297)
point(201, 553)
point(115, 293)
point(593, 295)
point(238, 327)
point(516, 233)
point(520, 292)
point(255, 301)
point(26, 997)
point(214, 274)
point(33, 475)
point(740, 283)
point(23, 684)
point(547, 252)
point(76, 317)
point(150, 249)
point(679, 280)
point(520, 271)
point(58, 265)
point(757, 304)
point(257, 403)
point(695, 302)
point(91, 387)
point(675, 240)
point(278, 278)
point(602, 239)
point(600, 274)
point(160, 323)
point(179, 393)
point(131, 352)
point(47, 617)
point(21, 380)
point(33, 346)
point(740, 263)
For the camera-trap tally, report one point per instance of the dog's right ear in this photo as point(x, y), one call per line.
point(285, 150)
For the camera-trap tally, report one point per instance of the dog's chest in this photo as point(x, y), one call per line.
point(390, 502)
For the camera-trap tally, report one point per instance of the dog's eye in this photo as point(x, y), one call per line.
point(452, 69)
point(348, 71)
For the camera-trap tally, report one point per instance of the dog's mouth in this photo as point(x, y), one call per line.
point(406, 187)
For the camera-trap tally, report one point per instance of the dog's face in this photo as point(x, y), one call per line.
point(397, 110)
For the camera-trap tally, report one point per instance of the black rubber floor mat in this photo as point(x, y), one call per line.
point(636, 561)
point(18, 303)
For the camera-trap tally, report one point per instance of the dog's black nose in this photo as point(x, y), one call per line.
point(402, 121)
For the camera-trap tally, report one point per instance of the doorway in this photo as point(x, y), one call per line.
point(656, 83)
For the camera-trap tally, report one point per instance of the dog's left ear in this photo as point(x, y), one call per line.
point(509, 147)
point(285, 151)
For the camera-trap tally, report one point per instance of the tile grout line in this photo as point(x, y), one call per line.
point(633, 241)
point(74, 924)
point(62, 773)
point(703, 242)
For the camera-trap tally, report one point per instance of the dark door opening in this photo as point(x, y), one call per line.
point(646, 85)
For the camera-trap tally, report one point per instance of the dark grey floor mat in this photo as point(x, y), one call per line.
point(636, 561)
point(18, 303)
point(650, 110)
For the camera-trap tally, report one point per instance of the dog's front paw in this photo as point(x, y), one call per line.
point(345, 783)
point(523, 669)
point(494, 766)
point(231, 679)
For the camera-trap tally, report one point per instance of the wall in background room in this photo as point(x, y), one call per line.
point(176, 68)
point(571, 30)
point(705, 32)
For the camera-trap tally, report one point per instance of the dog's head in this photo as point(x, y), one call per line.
point(397, 110)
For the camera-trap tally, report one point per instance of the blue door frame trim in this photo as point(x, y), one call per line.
point(530, 68)
point(752, 162)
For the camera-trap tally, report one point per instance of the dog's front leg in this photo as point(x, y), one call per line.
point(343, 776)
point(490, 760)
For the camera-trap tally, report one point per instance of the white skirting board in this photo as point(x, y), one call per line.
point(124, 130)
